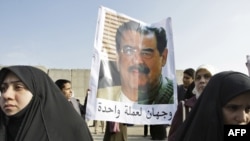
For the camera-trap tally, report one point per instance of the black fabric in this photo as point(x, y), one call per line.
point(181, 91)
point(84, 107)
point(158, 132)
point(82, 110)
point(50, 117)
point(205, 121)
point(145, 130)
point(14, 122)
point(13, 127)
point(189, 92)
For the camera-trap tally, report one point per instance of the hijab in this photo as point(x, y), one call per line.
point(205, 121)
point(49, 116)
point(206, 67)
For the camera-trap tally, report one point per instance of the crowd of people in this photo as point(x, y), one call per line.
point(30, 99)
point(33, 107)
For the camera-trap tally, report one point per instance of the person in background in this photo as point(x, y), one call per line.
point(65, 86)
point(85, 107)
point(95, 122)
point(202, 76)
point(187, 79)
point(98, 123)
point(145, 131)
point(224, 101)
point(115, 131)
point(32, 109)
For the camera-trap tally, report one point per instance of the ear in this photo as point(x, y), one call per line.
point(164, 56)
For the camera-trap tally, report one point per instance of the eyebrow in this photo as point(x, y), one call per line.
point(148, 49)
point(11, 82)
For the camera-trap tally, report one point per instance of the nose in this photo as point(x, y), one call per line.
point(8, 94)
point(203, 79)
point(137, 58)
point(242, 117)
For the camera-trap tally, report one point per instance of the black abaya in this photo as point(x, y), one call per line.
point(49, 116)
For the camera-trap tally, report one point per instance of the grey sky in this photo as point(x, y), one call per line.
point(60, 34)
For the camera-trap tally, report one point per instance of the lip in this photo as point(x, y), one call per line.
point(202, 86)
point(7, 106)
point(135, 71)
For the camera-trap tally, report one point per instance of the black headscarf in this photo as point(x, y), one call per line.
point(49, 116)
point(205, 121)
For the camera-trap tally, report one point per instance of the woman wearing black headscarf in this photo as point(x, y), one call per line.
point(226, 90)
point(202, 76)
point(33, 108)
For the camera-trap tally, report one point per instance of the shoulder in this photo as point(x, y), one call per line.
point(180, 86)
point(165, 94)
point(191, 101)
point(73, 99)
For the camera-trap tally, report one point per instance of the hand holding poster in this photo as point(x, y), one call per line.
point(133, 72)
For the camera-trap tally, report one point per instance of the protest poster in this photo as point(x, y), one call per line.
point(132, 76)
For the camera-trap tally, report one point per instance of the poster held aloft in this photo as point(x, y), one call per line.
point(133, 72)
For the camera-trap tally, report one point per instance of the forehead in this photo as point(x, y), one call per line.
point(202, 71)
point(130, 35)
point(187, 75)
point(66, 85)
point(136, 38)
point(10, 77)
point(241, 98)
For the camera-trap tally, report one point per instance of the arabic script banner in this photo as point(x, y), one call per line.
point(133, 72)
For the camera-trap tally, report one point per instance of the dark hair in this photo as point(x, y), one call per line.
point(190, 72)
point(159, 33)
point(60, 83)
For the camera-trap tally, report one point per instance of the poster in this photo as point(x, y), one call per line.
point(132, 77)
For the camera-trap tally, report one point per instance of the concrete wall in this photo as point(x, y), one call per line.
point(80, 78)
point(179, 75)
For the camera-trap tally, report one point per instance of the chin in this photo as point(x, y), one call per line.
point(10, 113)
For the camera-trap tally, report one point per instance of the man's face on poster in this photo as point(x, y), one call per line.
point(140, 62)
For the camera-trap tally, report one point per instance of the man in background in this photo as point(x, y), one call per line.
point(187, 79)
point(65, 86)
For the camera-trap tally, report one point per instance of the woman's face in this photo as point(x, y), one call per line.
point(237, 110)
point(201, 79)
point(14, 95)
